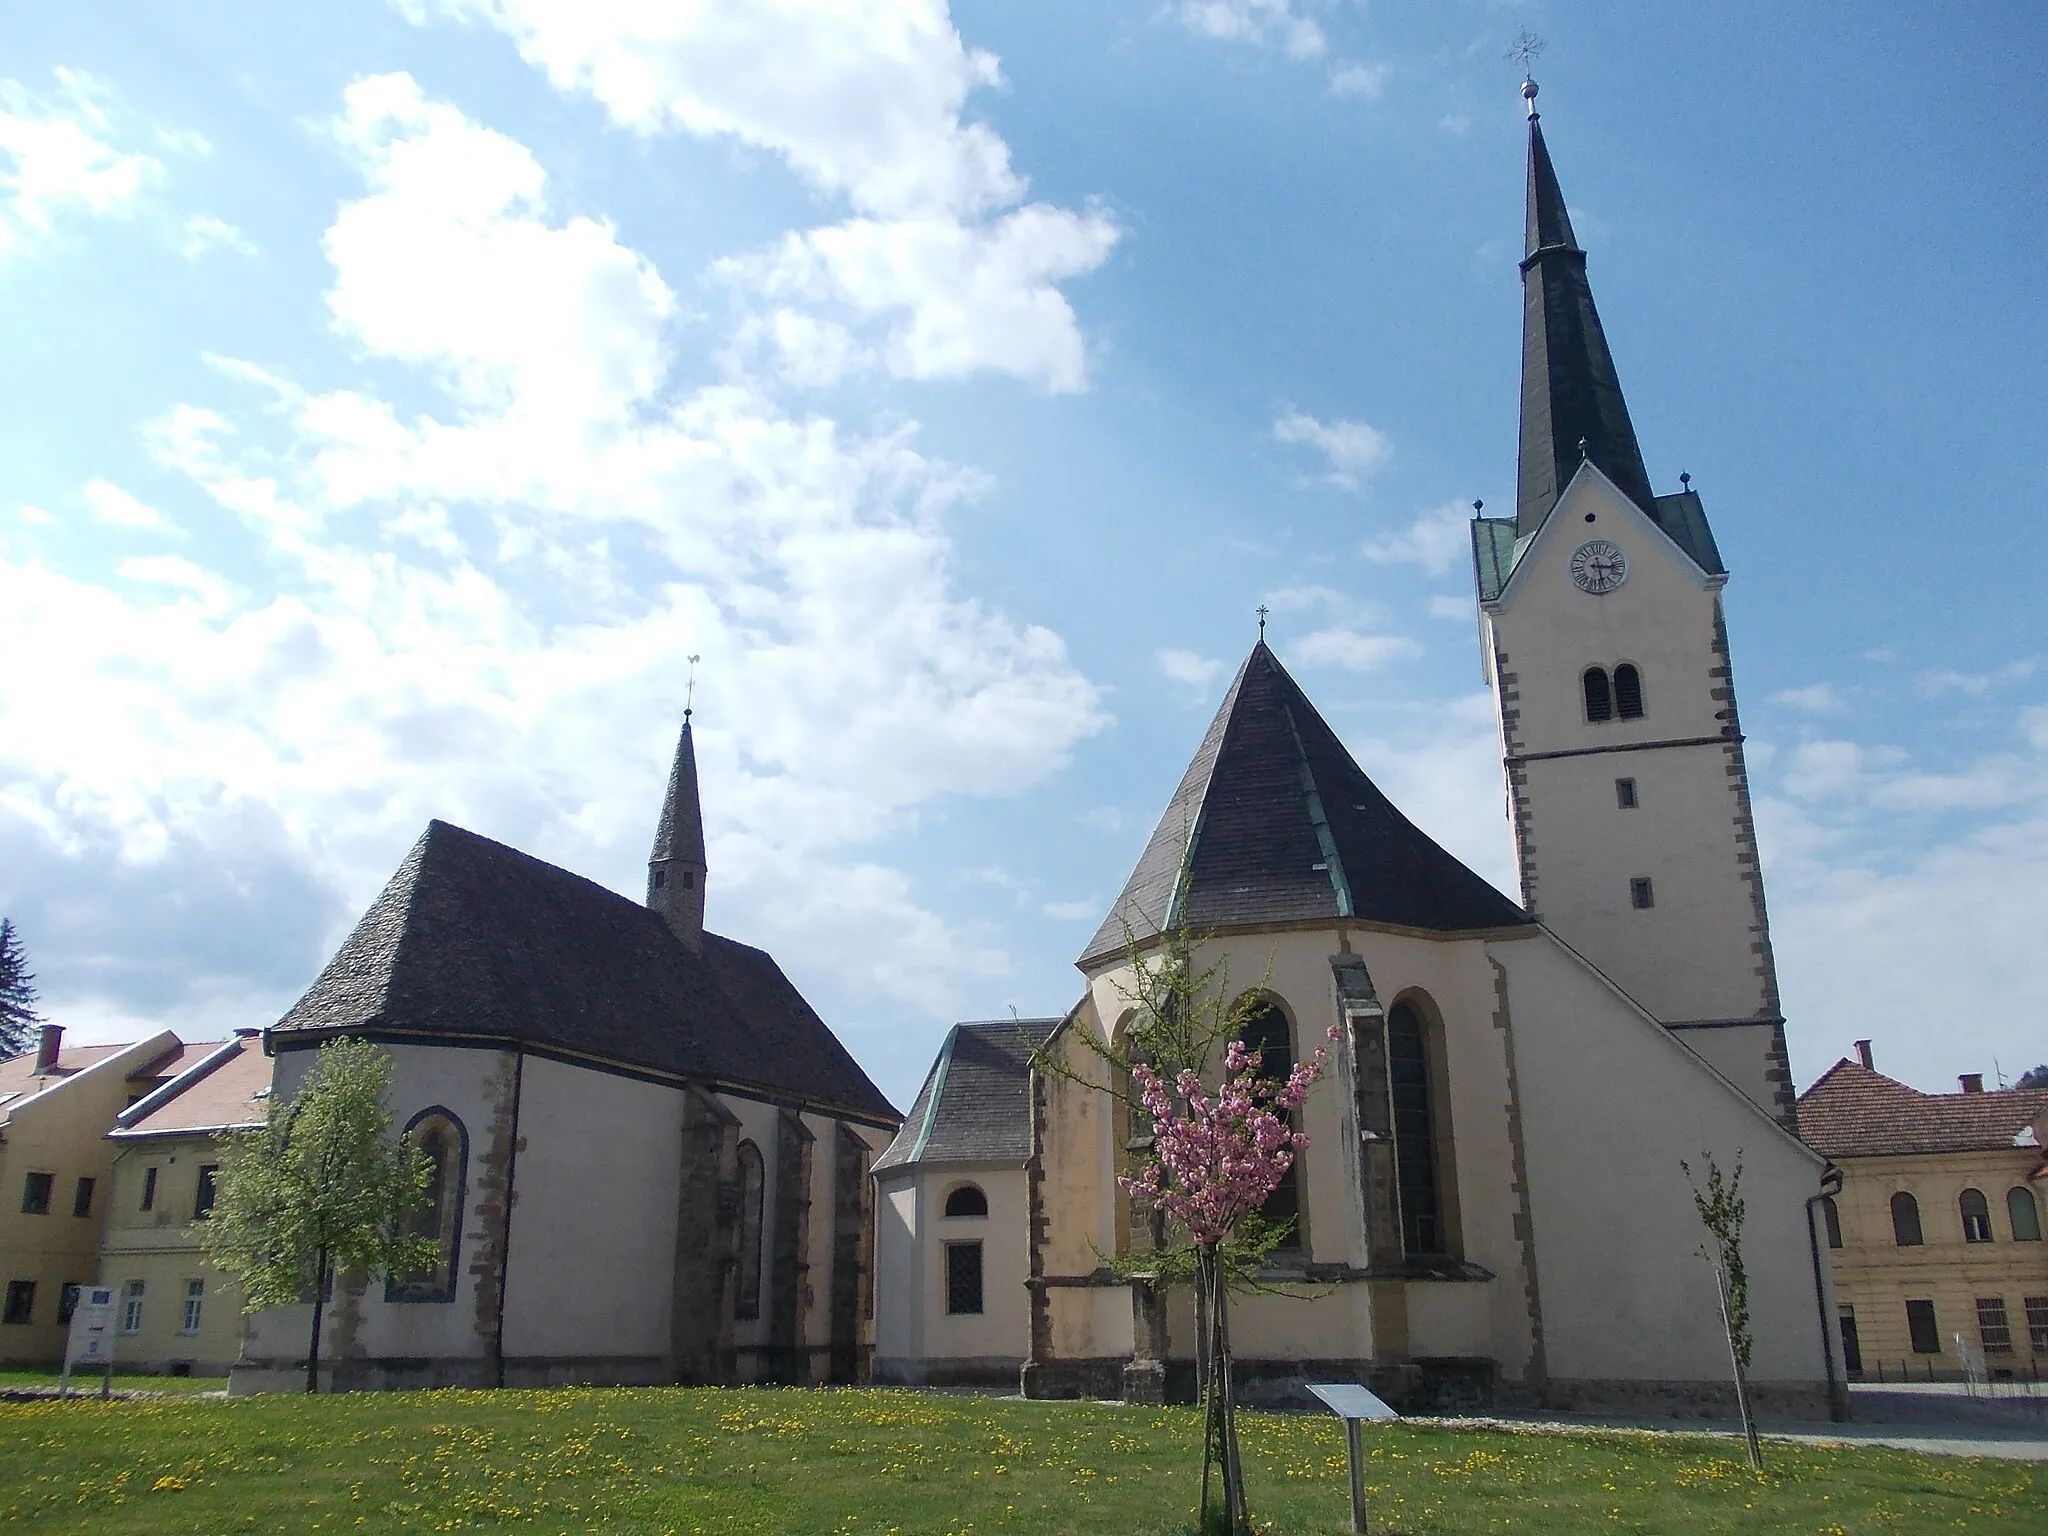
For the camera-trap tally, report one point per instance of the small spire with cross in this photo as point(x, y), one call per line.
point(690, 688)
point(1263, 611)
point(1527, 46)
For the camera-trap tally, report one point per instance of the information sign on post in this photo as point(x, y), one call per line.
point(1355, 1406)
point(91, 1341)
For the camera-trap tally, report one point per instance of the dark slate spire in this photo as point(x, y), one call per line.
point(676, 867)
point(1572, 409)
point(1274, 822)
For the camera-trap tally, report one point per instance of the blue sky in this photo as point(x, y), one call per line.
point(398, 397)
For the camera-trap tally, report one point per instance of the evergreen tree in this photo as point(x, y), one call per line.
point(2034, 1077)
point(18, 1016)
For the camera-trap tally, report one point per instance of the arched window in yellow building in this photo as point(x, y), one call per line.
point(1906, 1220)
point(1976, 1216)
point(2026, 1216)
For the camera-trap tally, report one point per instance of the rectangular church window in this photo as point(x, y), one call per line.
point(1625, 794)
point(1925, 1331)
point(1640, 893)
point(963, 1279)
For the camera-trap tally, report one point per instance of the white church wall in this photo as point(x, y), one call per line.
point(1610, 1104)
point(899, 1275)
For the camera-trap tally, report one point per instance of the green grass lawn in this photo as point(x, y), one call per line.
point(14, 1379)
point(876, 1462)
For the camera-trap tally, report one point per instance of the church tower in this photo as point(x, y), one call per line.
point(676, 868)
point(1607, 651)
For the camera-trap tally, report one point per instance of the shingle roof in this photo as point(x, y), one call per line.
point(680, 832)
point(1277, 823)
point(228, 1094)
point(1855, 1112)
point(975, 1105)
point(472, 940)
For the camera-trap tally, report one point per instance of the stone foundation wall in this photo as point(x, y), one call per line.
point(1669, 1399)
point(965, 1371)
point(376, 1375)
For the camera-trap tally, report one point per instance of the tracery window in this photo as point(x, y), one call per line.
point(440, 1135)
point(1266, 1031)
point(1422, 1225)
point(746, 1303)
point(1976, 1216)
point(1599, 695)
point(1906, 1220)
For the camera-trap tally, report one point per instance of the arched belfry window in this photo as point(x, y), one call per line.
point(440, 1135)
point(1599, 695)
point(1976, 1216)
point(1422, 1224)
point(1266, 1031)
point(967, 1200)
point(2026, 1216)
point(746, 1302)
point(1906, 1220)
point(1628, 691)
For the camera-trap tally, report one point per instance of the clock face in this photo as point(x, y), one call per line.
point(1598, 565)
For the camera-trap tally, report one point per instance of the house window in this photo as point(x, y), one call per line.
point(35, 1194)
point(131, 1308)
point(1628, 692)
point(1921, 1325)
point(202, 1204)
point(67, 1301)
point(149, 1189)
point(967, 1200)
point(1976, 1216)
point(1832, 1216)
point(1992, 1330)
point(2037, 1322)
point(2025, 1215)
point(1852, 1346)
point(441, 1138)
point(963, 1279)
point(195, 1299)
point(21, 1301)
point(1599, 696)
point(1266, 1031)
point(1422, 1227)
point(1625, 794)
point(81, 1199)
point(747, 1297)
point(1906, 1221)
point(1641, 894)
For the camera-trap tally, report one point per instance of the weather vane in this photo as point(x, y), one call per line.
point(690, 691)
point(1526, 47)
point(1263, 611)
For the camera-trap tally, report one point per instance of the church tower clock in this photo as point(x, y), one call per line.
point(1607, 651)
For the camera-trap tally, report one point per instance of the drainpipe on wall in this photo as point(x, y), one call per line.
point(505, 1237)
point(1838, 1386)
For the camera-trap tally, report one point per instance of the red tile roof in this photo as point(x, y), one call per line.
point(1855, 1112)
point(226, 1096)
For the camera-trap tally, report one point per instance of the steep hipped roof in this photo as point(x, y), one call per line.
point(1275, 823)
point(680, 833)
point(975, 1105)
point(1855, 1112)
point(472, 940)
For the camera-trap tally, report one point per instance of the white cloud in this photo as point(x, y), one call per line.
point(1187, 667)
point(119, 509)
point(1287, 599)
point(204, 233)
point(56, 156)
point(1267, 23)
point(1815, 698)
point(35, 515)
point(1447, 606)
point(1349, 649)
point(1445, 776)
point(1976, 684)
point(1352, 449)
point(861, 98)
point(1436, 541)
point(1072, 911)
point(211, 592)
point(1366, 80)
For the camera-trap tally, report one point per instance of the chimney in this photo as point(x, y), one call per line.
point(47, 1045)
point(1863, 1054)
point(1973, 1082)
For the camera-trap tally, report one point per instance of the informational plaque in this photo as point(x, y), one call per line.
point(1355, 1406)
point(90, 1344)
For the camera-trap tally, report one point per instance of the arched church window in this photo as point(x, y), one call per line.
point(967, 1200)
point(1976, 1216)
point(746, 1302)
point(1266, 1031)
point(1422, 1227)
point(1832, 1217)
point(1628, 691)
point(1906, 1220)
point(2026, 1216)
point(1599, 697)
point(440, 1136)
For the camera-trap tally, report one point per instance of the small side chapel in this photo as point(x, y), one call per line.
point(1492, 1209)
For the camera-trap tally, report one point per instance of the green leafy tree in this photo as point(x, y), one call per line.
point(18, 1016)
point(324, 1187)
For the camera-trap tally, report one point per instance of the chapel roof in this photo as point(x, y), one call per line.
point(472, 941)
point(975, 1105)
point(1275, 822)
point(1853, 1111)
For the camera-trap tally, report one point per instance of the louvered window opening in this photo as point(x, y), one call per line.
point(1628, 692)
point(1599, 695)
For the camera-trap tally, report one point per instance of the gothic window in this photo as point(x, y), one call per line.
point(1266, 1031)
point(438, 1134)
point(1833, 1218)
point(1906, 1220)
point(967, 1200)
point(1976, 1216)
point(963, 1279)
point(1422, 1226)
point(1628, 691)
point(1599, 696)
point(746, 1303)
point(2025, 1215)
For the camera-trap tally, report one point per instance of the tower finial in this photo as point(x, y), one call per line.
point(690, 689)
point(1263, 611)
point(1527, 46)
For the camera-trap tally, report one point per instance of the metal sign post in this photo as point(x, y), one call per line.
point(91, 1340)
point(1355, 1406)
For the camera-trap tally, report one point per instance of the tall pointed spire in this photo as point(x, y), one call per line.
point(676, 867)
point(1572, 407)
